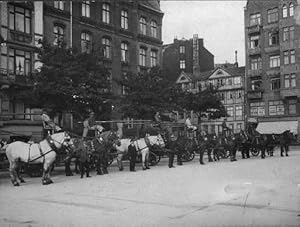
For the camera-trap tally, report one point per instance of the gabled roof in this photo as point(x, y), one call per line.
point(215, 73)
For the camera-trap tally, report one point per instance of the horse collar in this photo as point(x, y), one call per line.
point(51, 143)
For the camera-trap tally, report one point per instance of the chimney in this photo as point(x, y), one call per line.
point(236, 61)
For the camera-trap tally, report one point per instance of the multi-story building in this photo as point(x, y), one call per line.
point(272, 38)
point(230, 85)
point(188, 56)
point(128, 34)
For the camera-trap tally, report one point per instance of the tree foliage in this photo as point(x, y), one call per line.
point(71, 81)
point(146, 93)
point(150, 92)
point(206, 101)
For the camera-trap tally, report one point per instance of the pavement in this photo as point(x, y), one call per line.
point(249, 192)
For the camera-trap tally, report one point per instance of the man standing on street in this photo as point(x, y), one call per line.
point(132, 152)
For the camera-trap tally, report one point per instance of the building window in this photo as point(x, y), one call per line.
point(85, 9)
point(292, 54)
point(272, 15)
point(291, 33)
point(255, 63)
point(291, 9)
point(274, 61)
point(288, 33)
point(153, 29)
point(181, 49)
point(292, 106)
point(153, 58)
point(254, 19)
point(19, 19)
point(142, 57)
point(290, 80)
point(229, 110)
point(59, 5)
point(287, 81)
point(256, 85)
point(257, 109)
point(237, 80)
point(19, 62)
point(286, 59)
point(124, 19)
point(273, 38)
point(85, 43)
point(254, 41)
point(58, 32)
point(229, 81)
point(143, 26)
point(285, 34)
point(238, 94)
point(182, 64)
point(293, 80)
point(107, 48)
point(230, 95)
point(105, 13)
point(284, 11)
point(239, 127)
point(238, 111)
point(124, 52)
point(276, 108)
point(275, 84)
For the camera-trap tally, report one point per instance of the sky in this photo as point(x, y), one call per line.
point(219, 23)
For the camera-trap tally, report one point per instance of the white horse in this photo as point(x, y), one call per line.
point(42, 152)
point(142, 146)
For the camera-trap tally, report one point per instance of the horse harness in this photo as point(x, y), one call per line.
point(50, 142)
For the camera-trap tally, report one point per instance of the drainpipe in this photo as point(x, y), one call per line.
point(71, 25)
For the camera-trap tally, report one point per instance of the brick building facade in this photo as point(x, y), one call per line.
point(188, 56)
point(272, 38)
point(128, 34)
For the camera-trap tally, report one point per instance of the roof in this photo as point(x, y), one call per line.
point(151, 4)
point(277, 127)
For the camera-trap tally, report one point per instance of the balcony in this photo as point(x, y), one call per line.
point(255, 94)
point(290, 92)
point(20, 36)
point(254, 29)
point(273, 49)
point(254, 72)
point(254, 51)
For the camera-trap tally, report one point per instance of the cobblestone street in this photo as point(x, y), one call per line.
point(248, 192)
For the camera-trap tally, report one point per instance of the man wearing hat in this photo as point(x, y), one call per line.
point(172, 147)
point(132, 152)
point(90, 124)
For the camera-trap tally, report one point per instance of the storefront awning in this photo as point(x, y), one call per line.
point(277, 127)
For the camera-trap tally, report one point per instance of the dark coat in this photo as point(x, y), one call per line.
point(132, 150)
point(82, 152)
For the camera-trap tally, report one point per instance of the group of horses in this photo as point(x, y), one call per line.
point(108, 145)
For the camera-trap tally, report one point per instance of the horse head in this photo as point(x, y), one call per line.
point(61, 139)
point(112, 138)
point(156, 140)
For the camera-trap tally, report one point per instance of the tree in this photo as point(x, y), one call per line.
point(71, 81)
point(146, 93)
point(206, 101)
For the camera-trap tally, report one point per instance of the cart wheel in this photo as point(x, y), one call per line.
point(254, 151)
point(110, 160)
point(188, 156)
point(153, 159)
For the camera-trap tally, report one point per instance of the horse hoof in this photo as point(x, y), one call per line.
point(22, 181)
point(45, 183)
point(50, 181)
point(144, 168)
point(16, 184)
